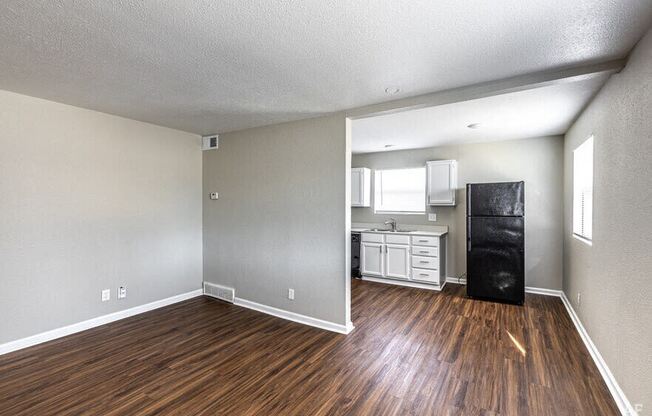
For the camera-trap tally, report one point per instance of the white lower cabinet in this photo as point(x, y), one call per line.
point(397, 261)
point(410, 260)
point(425, 262)
point(371, 259)
point(424, 275)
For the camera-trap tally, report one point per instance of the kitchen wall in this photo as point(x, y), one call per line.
point(614, 275)
point(537, 161)
point(280, 220)
point(91, 201)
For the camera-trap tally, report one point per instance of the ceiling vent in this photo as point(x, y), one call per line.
point(220, 292)
point(210, 142)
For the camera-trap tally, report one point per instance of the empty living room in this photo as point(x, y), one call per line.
point(325, 208)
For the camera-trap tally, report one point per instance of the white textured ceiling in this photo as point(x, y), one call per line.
point(536, 112)
point(213, 66)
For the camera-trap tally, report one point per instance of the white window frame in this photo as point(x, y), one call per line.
point(583, 171)
point(378, 198)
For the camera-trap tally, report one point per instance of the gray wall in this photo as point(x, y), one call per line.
point(280, 218)
point(537, 161)
point(91, 201)
point(614, 275)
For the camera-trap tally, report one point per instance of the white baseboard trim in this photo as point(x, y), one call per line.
point(92, 323)
point(405, 283)
point(543, 291)
point(528, 289)
point(617, 393)
point(295, 317)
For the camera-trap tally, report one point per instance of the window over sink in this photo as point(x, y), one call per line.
point(400, 191)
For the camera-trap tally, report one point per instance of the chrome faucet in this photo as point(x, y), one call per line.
point(391, 222)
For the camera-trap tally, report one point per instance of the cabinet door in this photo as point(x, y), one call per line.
point(356, 187)
point(442, 178)
point(371, 258)
point(397, 261)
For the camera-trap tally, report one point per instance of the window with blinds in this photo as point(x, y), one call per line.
point(400, 191)
point(583, 191)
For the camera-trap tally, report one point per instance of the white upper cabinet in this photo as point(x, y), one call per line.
point(360, 187)
point(441, 182)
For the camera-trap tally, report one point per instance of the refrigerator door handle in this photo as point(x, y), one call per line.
point(468, 234)
point(468, 201)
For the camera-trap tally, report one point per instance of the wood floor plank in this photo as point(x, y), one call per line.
point(413, 352)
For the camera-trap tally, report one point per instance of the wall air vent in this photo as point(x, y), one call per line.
point(220, 292)
point(210, 142)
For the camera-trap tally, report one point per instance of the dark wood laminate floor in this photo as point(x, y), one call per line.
point(413, 352)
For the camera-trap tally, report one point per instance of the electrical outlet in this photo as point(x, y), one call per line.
point(122, 292)
point(291, 294)
point(106, 295)
point(579, 298)
point(432, 217)
point(638, 407)
point(214, 195)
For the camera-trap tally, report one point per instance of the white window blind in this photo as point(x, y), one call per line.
point(400, 190)
point(583, 190)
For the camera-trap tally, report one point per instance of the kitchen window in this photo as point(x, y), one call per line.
point(400, 191)
point(583, 191)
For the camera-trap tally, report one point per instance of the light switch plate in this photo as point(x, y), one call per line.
point(432, 217)
point(214, 195)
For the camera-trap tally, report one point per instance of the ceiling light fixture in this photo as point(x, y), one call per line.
point(392, 90)
point(474, 126)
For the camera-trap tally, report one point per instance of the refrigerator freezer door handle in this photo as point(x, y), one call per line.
point(468, 234)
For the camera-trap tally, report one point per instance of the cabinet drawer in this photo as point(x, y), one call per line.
point(425, 262)
point(372, 238)
point(425, 251)
point(424, 275)
point(397, 239)
point(424, 240)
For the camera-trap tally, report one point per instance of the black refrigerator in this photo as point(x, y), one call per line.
point(495, 241)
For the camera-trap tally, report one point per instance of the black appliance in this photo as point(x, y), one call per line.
point(495, 241)
point(355, 254)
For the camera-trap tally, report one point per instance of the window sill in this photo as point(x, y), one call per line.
point(584, 240)
point(399, 213)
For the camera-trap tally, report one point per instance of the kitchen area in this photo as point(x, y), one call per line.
point(416, 256)
point(429, 209)
point(392, 252)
